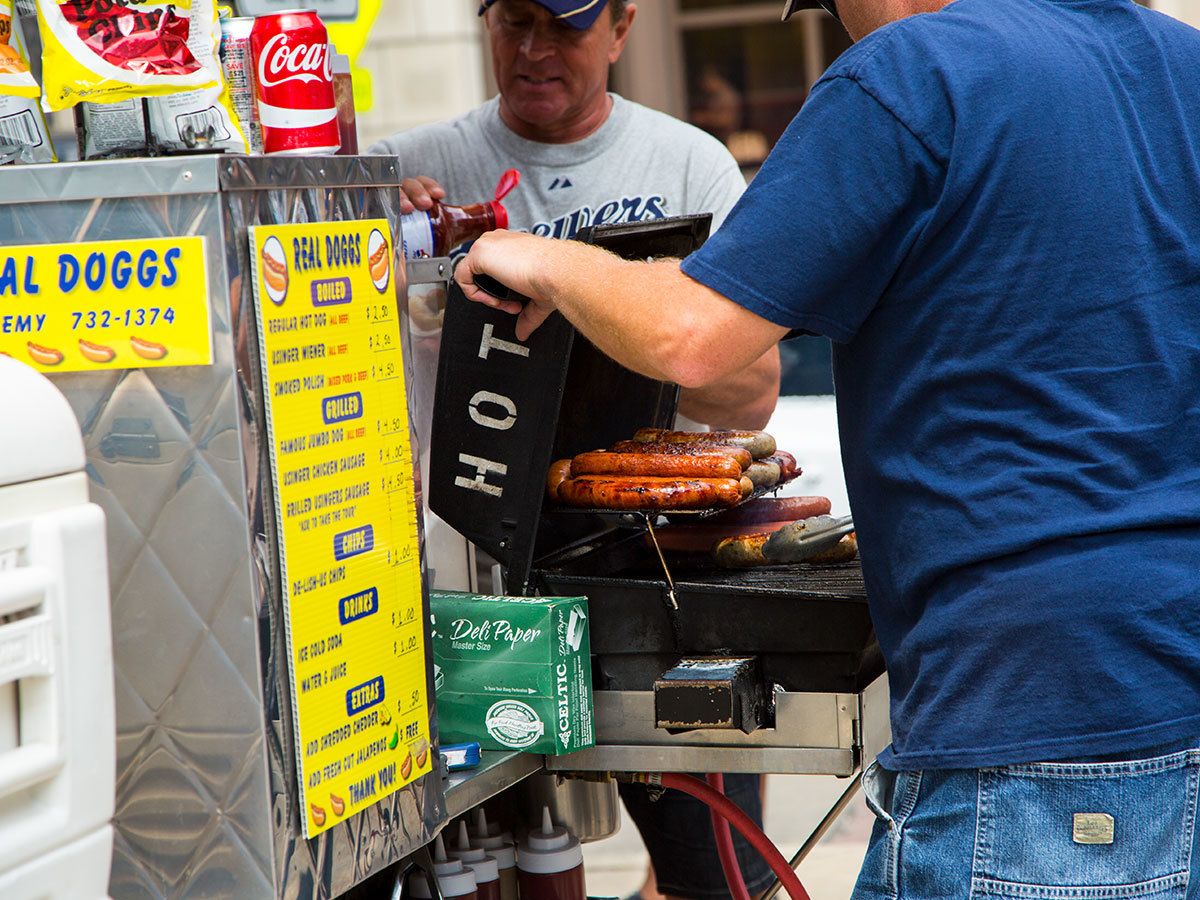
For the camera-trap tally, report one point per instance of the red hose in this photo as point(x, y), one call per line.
point(743, 823)
point(724, 838)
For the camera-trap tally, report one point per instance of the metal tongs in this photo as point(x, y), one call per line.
point(804, 539)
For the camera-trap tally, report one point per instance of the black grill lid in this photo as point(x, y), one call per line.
point(503, 410)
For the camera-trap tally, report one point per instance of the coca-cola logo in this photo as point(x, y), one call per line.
point(280, 63)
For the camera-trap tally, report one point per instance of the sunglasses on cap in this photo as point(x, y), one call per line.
point(793, 6)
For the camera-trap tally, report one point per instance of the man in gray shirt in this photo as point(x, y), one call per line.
point(588, 157)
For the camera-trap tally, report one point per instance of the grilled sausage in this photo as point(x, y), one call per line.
point(741, 552)
point(663, 465)
point(788, 467)
point(615, 492)
point(759, 443)
point(559, 472)
point(698, 448)
point(701, 537)
point(764, 474)
point(844, 551)
point(784, 509)
point(747, 487)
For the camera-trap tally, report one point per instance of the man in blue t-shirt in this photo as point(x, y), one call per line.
point(993, 209)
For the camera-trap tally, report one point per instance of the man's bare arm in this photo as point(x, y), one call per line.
point(648, 316)
point(745, 399)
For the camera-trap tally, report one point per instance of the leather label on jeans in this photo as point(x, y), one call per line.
point(1093, 828)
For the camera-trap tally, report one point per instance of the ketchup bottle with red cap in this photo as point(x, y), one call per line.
point(438, 230)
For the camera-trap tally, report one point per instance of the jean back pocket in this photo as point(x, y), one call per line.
point(1086, 830)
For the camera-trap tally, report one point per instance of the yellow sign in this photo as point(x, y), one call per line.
point(106, 304)
point(333, 377)
point(350, 38)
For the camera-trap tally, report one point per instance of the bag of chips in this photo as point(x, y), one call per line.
point(24, 137)
point(16, 79)
point(110, 50)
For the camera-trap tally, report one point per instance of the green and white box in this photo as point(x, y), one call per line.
point(514, 673)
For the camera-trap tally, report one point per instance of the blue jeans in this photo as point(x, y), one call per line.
point(1038, 831)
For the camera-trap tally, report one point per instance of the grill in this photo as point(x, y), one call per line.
point(504, 411)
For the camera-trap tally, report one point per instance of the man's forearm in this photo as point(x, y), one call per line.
point(745, 399)
point(648, 316)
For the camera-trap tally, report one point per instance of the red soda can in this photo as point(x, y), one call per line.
point(294, 84)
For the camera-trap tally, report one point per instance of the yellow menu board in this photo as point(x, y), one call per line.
point(333, 381)
point(133, 304)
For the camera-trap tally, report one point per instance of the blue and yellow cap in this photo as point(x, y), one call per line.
point(576, 13)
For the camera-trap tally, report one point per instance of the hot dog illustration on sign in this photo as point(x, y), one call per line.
point(275, 270)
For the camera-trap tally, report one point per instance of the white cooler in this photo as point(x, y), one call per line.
point(57, 726)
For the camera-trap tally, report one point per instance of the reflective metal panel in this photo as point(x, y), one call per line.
point(206, 793)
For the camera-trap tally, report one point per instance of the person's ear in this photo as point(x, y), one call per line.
point(621, 33)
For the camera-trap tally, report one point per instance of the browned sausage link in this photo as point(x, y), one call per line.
point(741, 552)
point(613, 492)
point(759, 443)
point(560, 471)
point(784, 509)
point(699, 448)
point(786, 462)
point(747, 487)
point(664, 465)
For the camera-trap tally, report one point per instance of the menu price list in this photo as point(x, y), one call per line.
point(342, 469)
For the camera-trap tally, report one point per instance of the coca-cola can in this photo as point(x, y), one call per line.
point(238, 65)
point(293, 81)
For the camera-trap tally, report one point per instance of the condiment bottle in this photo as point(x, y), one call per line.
point(438, 230)
point(453, 878)
point(343, 94)
point(486, 869)
point(550, 864)
point(498, 845)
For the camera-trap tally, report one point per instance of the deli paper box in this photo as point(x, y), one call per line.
point(514, 673)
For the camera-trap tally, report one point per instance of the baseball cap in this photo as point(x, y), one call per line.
point(794, 6)
point(577, 13)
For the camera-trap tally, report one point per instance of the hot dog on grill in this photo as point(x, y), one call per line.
point(846, 550)
point(759, 443)
point(615, 492)
point(702, 537)
point(787, 464)
point(741, 552)
point(785, 509)
point(697, 448)
point(764, 474)
point(663, 465)
point(559, 472)
point(746, 551)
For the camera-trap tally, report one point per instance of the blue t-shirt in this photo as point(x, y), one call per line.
point(994, 212)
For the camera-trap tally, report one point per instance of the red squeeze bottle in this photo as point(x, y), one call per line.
point(486, 869)
point(455, 880)
point(443, 227)
point(550, 864)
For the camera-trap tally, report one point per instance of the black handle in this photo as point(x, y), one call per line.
point(498, 290)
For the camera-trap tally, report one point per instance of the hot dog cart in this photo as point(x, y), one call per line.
point(232, 777)
point(183, 462)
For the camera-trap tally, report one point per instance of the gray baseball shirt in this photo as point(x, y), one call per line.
point(640, 164)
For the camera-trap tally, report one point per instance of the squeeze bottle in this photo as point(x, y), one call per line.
point(455, 880)
point(441, 228)
point(550, 864)
point(485, 867)
point(498, 845)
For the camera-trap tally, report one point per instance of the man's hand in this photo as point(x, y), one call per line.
point(419, 193)
point(516, 260)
